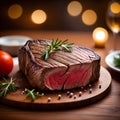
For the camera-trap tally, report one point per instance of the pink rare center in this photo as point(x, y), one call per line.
point(75, 77)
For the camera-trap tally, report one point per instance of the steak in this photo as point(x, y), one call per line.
point(62, 70)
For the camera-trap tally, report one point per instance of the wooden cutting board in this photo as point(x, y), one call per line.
point(58, 100)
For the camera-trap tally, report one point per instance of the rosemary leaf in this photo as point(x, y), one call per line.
point(32, 94)
point(7, 86)
point(56, 45)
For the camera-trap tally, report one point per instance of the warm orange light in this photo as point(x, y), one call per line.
point(89, 17)
point(100, 36)
point(115, 7)
point(15, 11)
point(38, 16)
point(74, 8)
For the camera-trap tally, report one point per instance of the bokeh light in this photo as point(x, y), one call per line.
point(38, 16)
point(15, 11)
point(89, 17)
point(100, 36)
point(74, 8)
point(115, 7)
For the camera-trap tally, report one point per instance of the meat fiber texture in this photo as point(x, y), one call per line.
point(62, 70)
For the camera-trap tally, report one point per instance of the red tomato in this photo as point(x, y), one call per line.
point(6, 63)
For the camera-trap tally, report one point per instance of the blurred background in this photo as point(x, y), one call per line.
point(68, 15)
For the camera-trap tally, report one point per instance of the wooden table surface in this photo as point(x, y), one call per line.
point(106, 109)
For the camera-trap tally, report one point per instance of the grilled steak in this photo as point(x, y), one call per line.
point(62, 70)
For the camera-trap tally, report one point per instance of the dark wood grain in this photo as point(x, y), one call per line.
point(106, 109)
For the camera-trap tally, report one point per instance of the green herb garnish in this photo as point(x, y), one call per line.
point(117, 60)
point(56, 45)
point(7, 86)
point(32, 94)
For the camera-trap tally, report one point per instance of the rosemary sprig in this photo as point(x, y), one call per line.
point(56, 45)
point(7, 86)
point(32, 94)
point(117, 60)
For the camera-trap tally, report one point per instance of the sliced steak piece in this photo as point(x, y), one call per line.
point(62, 70)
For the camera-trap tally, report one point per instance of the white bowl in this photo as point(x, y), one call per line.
point(110, 60)
point(12, 43)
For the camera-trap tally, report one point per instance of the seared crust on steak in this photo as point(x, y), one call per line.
point(58, 71)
